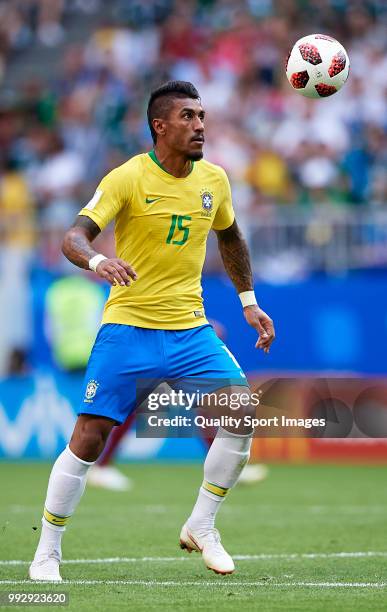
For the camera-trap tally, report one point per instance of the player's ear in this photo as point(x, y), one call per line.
point(159, 126)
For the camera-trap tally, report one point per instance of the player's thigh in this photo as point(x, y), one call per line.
point(121, 355)
point(199, 353)
point(208, 369)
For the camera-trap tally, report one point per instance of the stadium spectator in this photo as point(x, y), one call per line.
point(268, 175)
point(234, 52)
point(17, 238)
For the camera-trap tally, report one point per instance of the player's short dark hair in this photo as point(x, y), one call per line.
point(161, 100)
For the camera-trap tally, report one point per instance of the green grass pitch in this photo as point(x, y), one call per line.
point(293, 535)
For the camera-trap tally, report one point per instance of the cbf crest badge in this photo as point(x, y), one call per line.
point(207, 202)
point(91, 390)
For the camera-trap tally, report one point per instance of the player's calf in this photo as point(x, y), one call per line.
point(225, 460)
point(89, 436)
point(65, 489)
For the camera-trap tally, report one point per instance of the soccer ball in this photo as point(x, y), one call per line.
point(317, 66)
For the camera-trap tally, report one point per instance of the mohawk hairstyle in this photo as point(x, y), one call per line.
point(161, 99)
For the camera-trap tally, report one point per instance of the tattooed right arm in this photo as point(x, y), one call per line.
point(77, 242)
point(77, 248)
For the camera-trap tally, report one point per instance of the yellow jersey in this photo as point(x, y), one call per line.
point(161, 228)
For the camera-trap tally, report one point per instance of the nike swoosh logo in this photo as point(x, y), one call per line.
point(149, 201)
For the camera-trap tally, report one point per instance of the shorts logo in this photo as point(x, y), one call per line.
point(207, 202)
point(91, 390)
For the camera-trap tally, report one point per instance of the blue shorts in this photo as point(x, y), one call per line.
point(123, 354)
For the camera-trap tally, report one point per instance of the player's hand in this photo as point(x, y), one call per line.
point(116, 272)
point(258, 319)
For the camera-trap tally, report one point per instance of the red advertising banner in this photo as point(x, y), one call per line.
point(356, 412)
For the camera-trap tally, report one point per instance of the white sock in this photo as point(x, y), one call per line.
point(224, 463)
point(65, 488)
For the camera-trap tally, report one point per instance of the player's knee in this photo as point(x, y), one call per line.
point(92, 445)
point(240, 411)
point(89, 439)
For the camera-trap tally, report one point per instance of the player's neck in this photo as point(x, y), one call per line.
point(175, 164)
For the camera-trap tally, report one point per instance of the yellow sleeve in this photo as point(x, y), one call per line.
point(224, 216)
point(111, 195)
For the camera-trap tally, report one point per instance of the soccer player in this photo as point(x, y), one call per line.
point(164, 204)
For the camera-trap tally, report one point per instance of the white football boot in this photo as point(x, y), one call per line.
point(108, 477)
point(46, 569)
point(213, 553)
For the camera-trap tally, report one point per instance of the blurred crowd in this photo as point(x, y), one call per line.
point(62, 130)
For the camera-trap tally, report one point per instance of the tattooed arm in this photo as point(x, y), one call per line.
point(77, 248)
point(236, 260)
point(235, 256)
point(77, 242)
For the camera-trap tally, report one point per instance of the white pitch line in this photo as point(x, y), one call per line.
point(106, 560)
point(221, 583)
point(292, 556)
point(261, 557)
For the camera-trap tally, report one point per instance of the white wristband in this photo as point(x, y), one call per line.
point(94, 261)
point(248, 298)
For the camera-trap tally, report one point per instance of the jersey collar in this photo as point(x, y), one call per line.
point(153, 157)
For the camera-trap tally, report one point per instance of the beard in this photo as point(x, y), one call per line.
point(195, 156)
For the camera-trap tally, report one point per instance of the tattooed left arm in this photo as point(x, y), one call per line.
point(236, 260)
point(235, 256)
